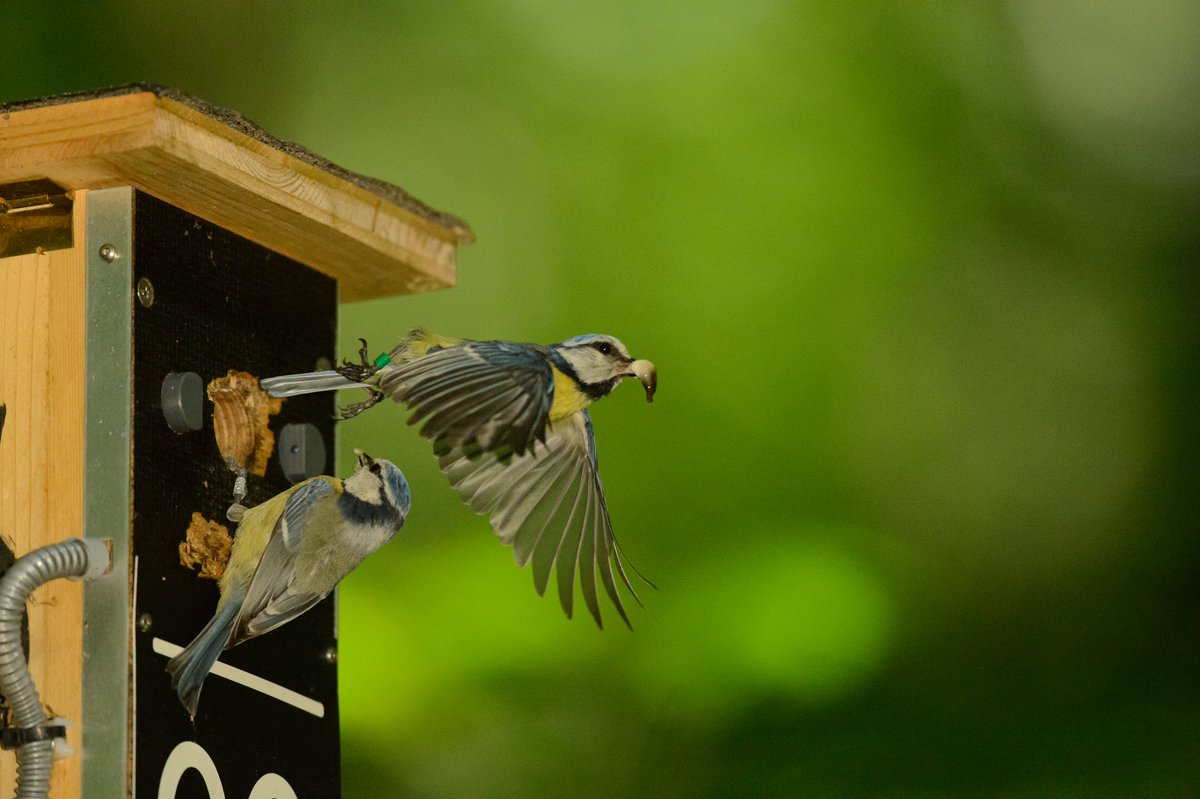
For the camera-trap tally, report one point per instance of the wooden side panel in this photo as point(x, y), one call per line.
point(42, 334)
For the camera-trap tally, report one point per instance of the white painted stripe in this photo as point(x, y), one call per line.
point(251, 681)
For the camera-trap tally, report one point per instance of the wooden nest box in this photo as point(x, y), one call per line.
point(150, 243)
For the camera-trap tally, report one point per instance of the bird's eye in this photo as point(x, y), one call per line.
point(603, 347)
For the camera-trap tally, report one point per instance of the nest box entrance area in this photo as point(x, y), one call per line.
point(158, 255)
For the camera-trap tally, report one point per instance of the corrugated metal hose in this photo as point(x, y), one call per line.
point(76, 558)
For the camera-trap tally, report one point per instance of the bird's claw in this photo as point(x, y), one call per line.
point(355, 408)
point(358, 372)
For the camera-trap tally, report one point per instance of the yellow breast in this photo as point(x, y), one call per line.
point(568, 399)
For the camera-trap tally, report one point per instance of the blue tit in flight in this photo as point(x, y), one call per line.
point(510, 428)
point(288, 554)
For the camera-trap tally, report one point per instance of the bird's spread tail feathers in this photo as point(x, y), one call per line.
point(308, 383)
point(189, 668)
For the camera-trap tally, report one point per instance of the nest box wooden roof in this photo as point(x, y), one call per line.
point(373, 237)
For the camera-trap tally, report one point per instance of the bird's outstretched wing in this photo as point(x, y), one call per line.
point(270, 599)
point(476, 396)
point(548, 505)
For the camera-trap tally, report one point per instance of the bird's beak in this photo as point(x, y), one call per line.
point(364, 460)
point(648, 374)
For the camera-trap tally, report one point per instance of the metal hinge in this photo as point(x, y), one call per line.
point(35, 216)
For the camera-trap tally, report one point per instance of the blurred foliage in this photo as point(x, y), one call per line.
point(919, 489)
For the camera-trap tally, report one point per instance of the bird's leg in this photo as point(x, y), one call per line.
point(355, 408)
point(237, 510)
point(358, 372)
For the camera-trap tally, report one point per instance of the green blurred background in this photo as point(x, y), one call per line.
point(919, 489)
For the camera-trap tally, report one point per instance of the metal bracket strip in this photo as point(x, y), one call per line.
point(107, 604)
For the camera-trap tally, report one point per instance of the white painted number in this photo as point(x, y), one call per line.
point(190, 754)
point(272, 786)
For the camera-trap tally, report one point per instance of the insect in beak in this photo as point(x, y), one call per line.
point(647, 373)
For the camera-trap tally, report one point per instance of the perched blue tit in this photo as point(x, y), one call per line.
point(510, 428)
point(288, 554)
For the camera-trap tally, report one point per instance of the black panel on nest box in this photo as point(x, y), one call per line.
point(219, 302)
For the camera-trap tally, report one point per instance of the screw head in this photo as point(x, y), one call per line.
point(145, 622)
point(330, 655)
point(145, 292)
point(108, 253)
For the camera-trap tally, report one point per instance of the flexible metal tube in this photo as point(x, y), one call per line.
point(73, 558)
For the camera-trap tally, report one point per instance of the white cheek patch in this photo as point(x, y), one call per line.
point(364, 487)
point(592, 367)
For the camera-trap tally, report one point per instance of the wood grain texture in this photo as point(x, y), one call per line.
point(42, 336)
point(373, 246)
